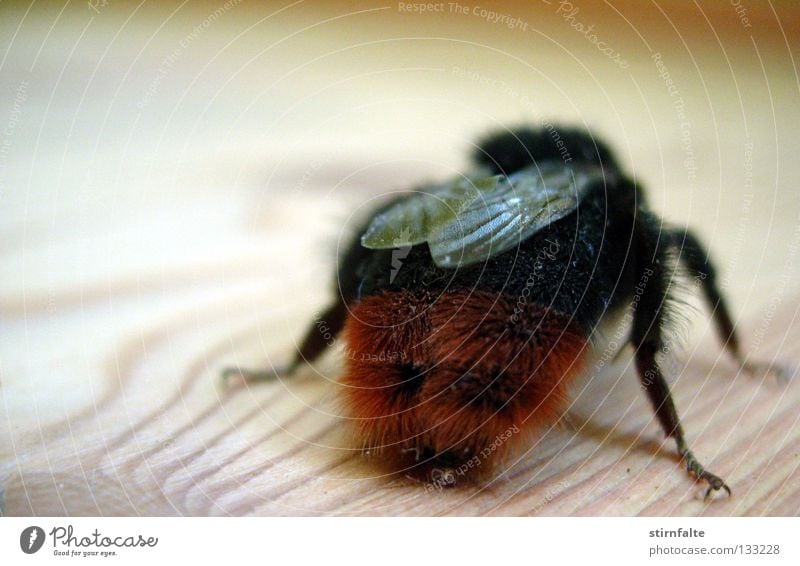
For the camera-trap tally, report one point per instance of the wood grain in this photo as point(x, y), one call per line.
point(160, 226)
point(158, 433)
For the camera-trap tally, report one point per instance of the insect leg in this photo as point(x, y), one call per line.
point(647, 338)
point(696, 258)
point(320, 334)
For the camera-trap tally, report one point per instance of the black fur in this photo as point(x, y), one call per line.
point(510, 151)
point(609, 252)
point(579, 265)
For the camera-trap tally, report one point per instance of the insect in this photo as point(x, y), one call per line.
point(469, 306)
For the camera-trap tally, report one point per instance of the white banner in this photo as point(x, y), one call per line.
point(400, 541)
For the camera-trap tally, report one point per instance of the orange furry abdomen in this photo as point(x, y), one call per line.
point(456, 376)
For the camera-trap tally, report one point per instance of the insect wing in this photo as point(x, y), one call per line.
point(518, 207)
point(417, 217)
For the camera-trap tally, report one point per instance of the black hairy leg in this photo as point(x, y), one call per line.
point(315, 342)
point(697, 260)
point(652, 264)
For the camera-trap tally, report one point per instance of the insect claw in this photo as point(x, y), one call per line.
point(696, 469)
point(713, 488)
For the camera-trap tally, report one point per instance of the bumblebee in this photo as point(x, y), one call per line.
point(468, 307)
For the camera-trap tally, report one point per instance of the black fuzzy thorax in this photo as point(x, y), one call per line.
point(582, 265)
point(577, 266)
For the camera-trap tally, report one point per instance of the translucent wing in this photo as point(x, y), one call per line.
point(520, 205)
point(469, 222)
point(417, 217)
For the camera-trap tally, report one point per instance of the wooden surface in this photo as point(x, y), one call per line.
point(163, 218)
